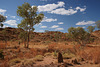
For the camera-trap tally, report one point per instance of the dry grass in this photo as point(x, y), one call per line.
point(2, 45)
point(68, 56)
point(91, 53)
point(14, 61)
point(39, 58)
point(28, 63)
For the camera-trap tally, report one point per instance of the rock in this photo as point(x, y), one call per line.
point(75, 61)
point(60, 58)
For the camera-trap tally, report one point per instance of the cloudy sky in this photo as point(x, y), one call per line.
point(59, 14)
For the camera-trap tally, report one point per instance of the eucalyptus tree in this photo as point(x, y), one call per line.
point(90, 29)
point(98, 24)
point(2, 19)
point(30, 18)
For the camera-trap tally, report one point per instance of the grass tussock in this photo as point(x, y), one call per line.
point(14, 61)
point(68, 55)
point(28, 63)
point(39, 58)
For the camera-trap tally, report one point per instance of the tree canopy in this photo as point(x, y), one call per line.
point(98, 24)
point(2, 19)
point(90, 29)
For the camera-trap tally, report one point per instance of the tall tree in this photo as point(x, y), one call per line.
point(90, 29)
point(2, 19)
point(98, 24)
point(30, 18)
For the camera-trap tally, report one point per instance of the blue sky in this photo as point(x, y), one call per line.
point(59, 14)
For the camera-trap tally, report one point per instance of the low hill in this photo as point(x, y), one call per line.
point(13, 33)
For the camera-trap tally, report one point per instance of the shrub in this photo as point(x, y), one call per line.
point(68, 56)
point(14, 61)
point(38, 58)
point(28, 63)
point(48, 54)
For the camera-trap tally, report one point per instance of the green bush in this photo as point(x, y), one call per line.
point(39, 58)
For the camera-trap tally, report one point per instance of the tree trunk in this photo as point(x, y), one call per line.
point(28, 39)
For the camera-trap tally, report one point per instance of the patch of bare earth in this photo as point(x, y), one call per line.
point(47, 61)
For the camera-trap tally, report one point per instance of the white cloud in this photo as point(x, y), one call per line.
point(85, 23)
point(6, 16)
point(43, 27)
point(81, 9)
point(82, 27)
point(60, 23)
point(59, 29)
point(13, 17)
point(38, 24)
point(5, 26)
point(54, 26)
point(48, 19)
point(11, 23)
point(63, 11)
point(2, 11)
point(39, 30)
point(59, 9)
point(50, 7)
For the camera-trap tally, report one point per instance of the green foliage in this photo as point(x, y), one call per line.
point(29, 15)
point(98, 24)
point(30, 18)
point(90, 29)
point(79, 35)
point(23, 36)
point(2, 19)
point(1, 54)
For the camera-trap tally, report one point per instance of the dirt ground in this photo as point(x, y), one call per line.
point(50, 61)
